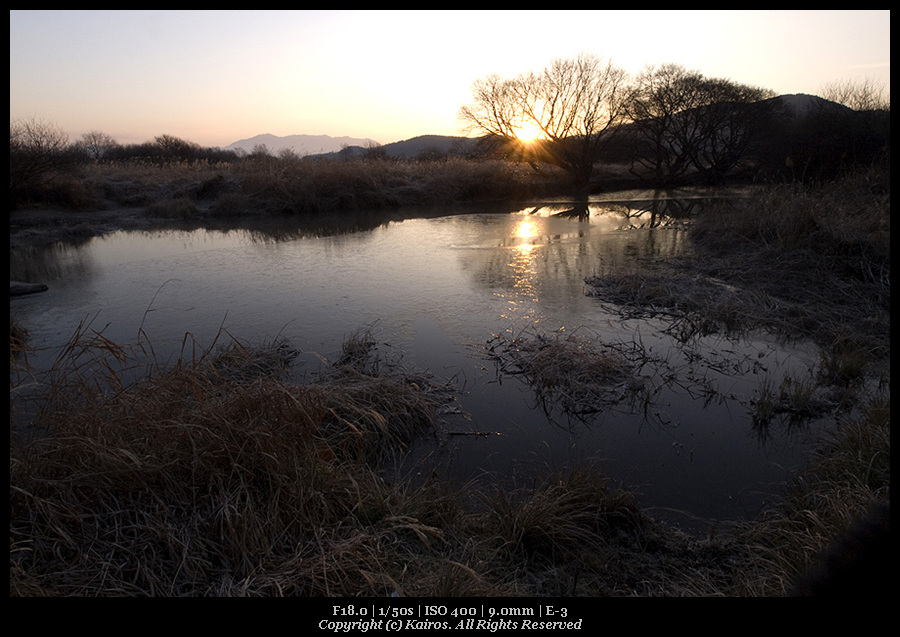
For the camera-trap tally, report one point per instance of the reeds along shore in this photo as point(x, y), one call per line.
point(283, 185)
point(218, 477)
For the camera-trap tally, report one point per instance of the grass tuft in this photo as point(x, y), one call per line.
point(581, 375)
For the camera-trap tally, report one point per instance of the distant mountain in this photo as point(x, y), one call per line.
point(346, 147)
point(300, 144)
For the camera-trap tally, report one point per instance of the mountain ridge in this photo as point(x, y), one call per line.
point(798, 105)
point(300, 144)
point(351, 147)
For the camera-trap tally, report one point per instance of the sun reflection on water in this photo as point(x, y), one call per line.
point(526, 229)
point(522, 271)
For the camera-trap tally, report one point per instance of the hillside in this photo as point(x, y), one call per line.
point(422, 145)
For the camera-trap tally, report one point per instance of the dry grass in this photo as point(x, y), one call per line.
point(693, 304)
point(100, 197)
point(848, 478)
point(792, 402)
point(302, 185)
point(307, 185)
point(821, 257)
point(571, 515)
point(579, 374)
point(18, 339)
point(810, 264)
point(217, 477)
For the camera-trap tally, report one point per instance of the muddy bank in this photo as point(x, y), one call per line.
point(42, 226)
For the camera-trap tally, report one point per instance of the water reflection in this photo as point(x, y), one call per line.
point(662, 210)
point(48, 263)
point(533, 257)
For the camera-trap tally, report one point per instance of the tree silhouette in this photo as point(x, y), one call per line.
point(573, 103)
point(38, 155)
point(684, 122)
point(96, 145)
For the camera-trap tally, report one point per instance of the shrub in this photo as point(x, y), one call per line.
point(38, 156)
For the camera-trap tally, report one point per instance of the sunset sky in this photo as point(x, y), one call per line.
point(214, 77)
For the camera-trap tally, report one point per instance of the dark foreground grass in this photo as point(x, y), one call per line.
point(846, 485)
point(218, 477)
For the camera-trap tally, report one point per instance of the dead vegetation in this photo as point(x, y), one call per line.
point(830, 533)
point(217, 477)
point(214, 477)
point(582, 375)
point(314, 194)
point(796, 262)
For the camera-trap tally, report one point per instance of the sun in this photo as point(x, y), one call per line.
point(528, 132)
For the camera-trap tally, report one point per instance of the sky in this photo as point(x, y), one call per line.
point(216, 77)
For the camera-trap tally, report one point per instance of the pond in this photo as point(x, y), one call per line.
point(435, 290)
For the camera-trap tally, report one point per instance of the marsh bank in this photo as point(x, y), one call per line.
point(440, 287)
point(703, 565)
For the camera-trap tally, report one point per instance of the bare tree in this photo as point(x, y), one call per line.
point(96, 145)
point(36, 138)
point(38, 154)
point(725, 126)
point(496, 111)
point(864, 95)
point(658, 96)
point(683, 121)
point(573, 103)
point(171, 148)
